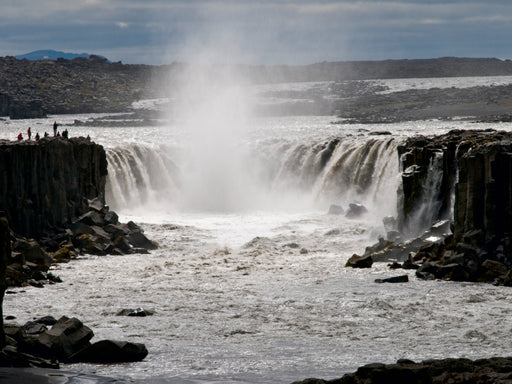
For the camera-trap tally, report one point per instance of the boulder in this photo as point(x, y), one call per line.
point(111, 218)
point(109, 351)
point(356, 261)
point(139, 240)
point(394, 279)
point(137, 312)
point(355, 210)
point(92, 218)
point(96, 204)
point(66, 338)
point(32, 252)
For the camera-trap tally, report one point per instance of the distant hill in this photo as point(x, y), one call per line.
point(50, 54)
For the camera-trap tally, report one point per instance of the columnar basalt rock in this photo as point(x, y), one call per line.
point(53, 194)
point(471, 187)
point(47, 183)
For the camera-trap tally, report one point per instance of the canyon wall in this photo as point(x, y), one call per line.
point(467, 176)
point(46, 184)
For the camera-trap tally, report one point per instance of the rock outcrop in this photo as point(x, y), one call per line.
point(464, 177)
point(48, 183)
point(52, 194)
point(482, 371)
point(46, 341)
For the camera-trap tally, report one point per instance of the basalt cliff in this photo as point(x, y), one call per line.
point(52, 193)
point(455, 209)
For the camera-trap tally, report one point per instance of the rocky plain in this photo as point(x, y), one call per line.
point(55, 209)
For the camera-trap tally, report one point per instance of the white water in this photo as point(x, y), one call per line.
point(257, 291)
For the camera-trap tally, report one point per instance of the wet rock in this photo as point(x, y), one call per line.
point(137, 312)
point(108, 352)
point(111, 218)
point(32, 252)
point(356, 210)
point(92, 218)
point(66, 338)
point(356, 261)
point(394, 279)
point(139, 240)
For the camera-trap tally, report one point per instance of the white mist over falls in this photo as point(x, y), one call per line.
point(249, 283)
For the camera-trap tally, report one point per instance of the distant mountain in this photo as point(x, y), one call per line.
point(50, 54)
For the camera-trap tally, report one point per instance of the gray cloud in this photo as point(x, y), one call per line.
point(285, 31)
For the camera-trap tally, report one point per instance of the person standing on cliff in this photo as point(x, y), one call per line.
point(29, 133)
point(20, 136)
point(55, 125)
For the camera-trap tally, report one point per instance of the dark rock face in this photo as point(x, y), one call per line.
point(483, 371)
point(468, 173)
point(52, 193)
point(5, 254)
point(47, 183)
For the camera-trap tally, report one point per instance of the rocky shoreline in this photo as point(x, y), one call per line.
point(482, 371)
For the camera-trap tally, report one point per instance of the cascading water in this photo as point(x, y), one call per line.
point(140, 176)
point(272, 174)
point(427, 211)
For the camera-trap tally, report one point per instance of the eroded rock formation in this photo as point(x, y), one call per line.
point(52, 193)
point(456, 201)
point(47, 183)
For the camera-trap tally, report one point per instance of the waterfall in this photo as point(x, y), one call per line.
point(427, 211)
point(268, 174)
point(140, 176)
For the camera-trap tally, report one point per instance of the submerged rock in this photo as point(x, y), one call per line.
point(335, 210)
point(395, 279)
point(356, 210)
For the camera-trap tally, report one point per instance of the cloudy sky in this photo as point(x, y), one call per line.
point(258, 31)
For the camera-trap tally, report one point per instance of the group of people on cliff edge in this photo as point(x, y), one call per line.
point(65, 133)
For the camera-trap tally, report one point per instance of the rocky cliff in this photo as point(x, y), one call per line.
point(52, 194)
point(47, 183)
point(463, 179)
point(454, 209)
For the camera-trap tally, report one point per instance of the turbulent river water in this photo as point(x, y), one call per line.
point(248, 283)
